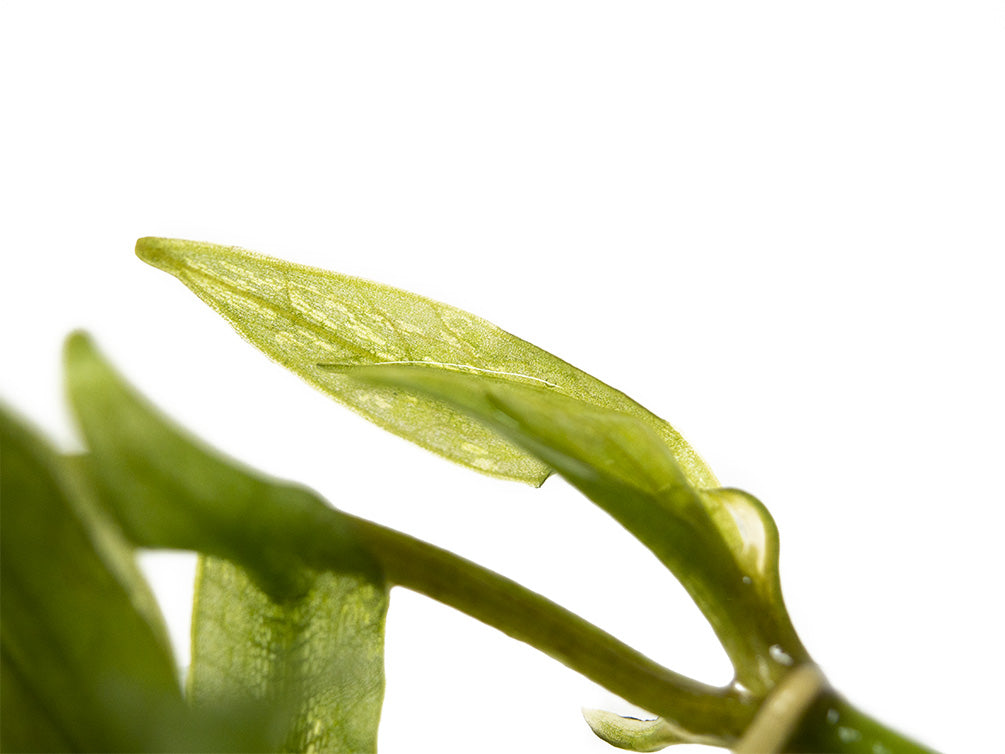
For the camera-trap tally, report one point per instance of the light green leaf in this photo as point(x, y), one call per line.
point(633, 734)
point(115, 550)
point(270, 631)
point(615, 459)
point(308, 319)
point(83, 649)
point(620, 463)
point(315, 663)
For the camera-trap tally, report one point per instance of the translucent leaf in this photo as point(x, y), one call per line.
point(308, 319)
point(26, 721)
point(633, 734)
point(614, 458)
point(270, 632)
point(314, 662)
point(83, 668)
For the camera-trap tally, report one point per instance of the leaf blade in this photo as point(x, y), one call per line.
point(76, 650)
point(265, 609)
point(297, 666)
point(615, 459)
point(306, 319)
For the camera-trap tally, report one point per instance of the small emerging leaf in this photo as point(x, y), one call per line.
point(310, 321)
point(632, 734)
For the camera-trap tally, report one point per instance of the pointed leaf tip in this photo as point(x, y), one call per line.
point(308, 319)
point(163, 253)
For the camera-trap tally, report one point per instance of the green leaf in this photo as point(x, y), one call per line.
point(309, 320)
point(621, 464)
point(169, 490)
point(27, 722)
point(86, 665)
point(633, 734)
point(315, 662)
point(270, 630)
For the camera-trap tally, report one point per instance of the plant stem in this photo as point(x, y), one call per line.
point(823, 722)
point(573, 641)
point(831, 724)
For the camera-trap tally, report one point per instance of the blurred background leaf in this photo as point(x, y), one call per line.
point(315, 662)
point(83, 668)
point(269, 631)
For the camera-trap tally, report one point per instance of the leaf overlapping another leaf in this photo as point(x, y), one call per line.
point(620, 463)
point(634, 734)
point(86, 663)
point(306, 318)
point(272, 631)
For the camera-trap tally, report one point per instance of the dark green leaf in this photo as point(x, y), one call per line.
point(268, 627)
point(168, 490)
point(81, 648)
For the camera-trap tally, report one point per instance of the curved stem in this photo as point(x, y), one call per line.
point(791, 719)
point(573, 641)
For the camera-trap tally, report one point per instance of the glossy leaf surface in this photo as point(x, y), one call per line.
point(309, 320)
point(752, 538)
point(269, 631)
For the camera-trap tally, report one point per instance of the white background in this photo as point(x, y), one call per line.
point(779, 225)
